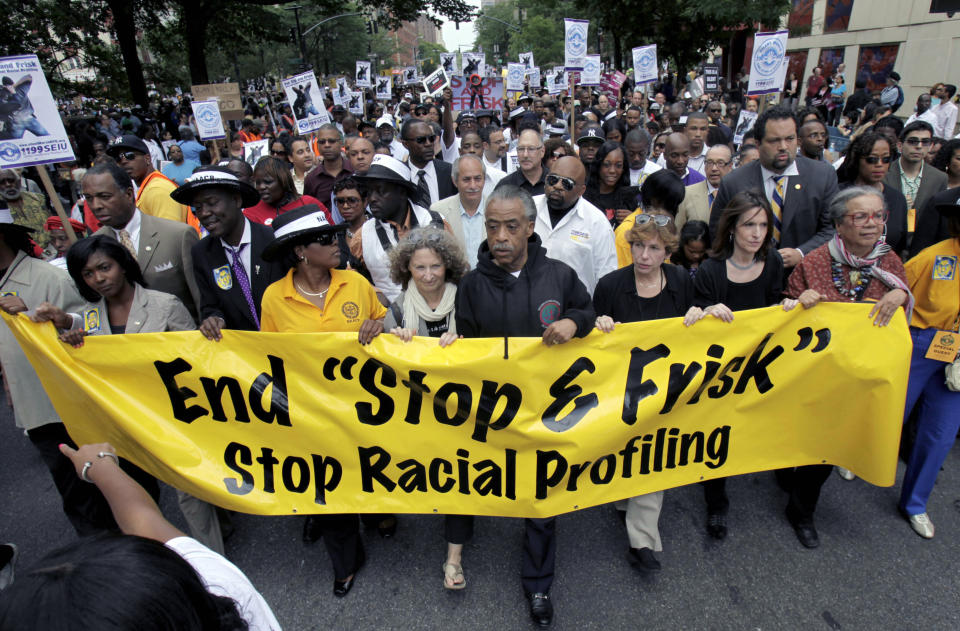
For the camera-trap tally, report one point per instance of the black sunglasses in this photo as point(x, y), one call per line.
point(278, 153)
point(422, 140)
point(567, 183)
point(878, 159)
point(324, 238)
point(129, 156)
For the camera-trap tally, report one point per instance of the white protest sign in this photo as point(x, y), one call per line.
point(31, 131)
point(556, 80)
point(448, 61)
point(362, 77)
point(410, 76)
point(254, 150)
point(533, 78)
point(341, 94)
point(645, 64)
point(527, 60)
point(302, 93)
point(574, 43)
point(435, 82)
point(744, 124)
point(768, 65)
point(474, 63)
point(591, 70)
point(209, 123)
point(355, 103)
point(384, 87)
point(515, 75)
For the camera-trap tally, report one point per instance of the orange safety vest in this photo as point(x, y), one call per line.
point(191, 219)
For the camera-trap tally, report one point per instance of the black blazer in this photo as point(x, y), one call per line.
point(932, 227)
point(805, 222)
point(445, 185)
point(230, 304)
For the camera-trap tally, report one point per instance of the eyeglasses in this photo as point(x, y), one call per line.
point(926, 142)
point(557, 155)
point(324, 238)
point(860, 219)
point(347, 201)
point(278, 153)
point(129, 156)
point(716, 163)
point(658, 220)
point(877, 159)
point(422, 140)
point(715, 111)
point(567, 183)
point(529, 149)
point(327, 141)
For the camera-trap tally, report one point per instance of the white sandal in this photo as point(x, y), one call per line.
point(451, 573)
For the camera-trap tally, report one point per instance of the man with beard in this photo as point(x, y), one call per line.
point(676, 155)
point(637, 146)
point(572, 229)
point(813, 138)
point(28, 209)
point(390, 195)
point(517, 290)
point(589, 143)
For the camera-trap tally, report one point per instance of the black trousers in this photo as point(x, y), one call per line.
point(803, 484)
point(539, 555)
point(341, 536)
point(715, 493)
point(457, 528)
point(84, 505)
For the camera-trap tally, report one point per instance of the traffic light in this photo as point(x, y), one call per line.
point(293, 35)
point(369, 27)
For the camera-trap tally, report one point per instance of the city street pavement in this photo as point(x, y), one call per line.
point(870, 572)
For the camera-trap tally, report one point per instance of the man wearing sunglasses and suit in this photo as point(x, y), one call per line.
point(799, 189)
point(431, 177)
point(572, 229)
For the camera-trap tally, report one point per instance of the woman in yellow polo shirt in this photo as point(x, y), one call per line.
point(316, 297)
point(934, 279)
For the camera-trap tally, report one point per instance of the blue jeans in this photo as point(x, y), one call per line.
point(32, 125)
point(937, 424)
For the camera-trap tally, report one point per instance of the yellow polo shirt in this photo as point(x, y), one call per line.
point(934, 279)
point(153, 198)
point(624, 256)
point(350, 300)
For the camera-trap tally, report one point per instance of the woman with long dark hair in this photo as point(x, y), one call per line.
point(608, 184)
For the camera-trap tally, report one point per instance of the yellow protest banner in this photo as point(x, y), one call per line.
point(303, 423)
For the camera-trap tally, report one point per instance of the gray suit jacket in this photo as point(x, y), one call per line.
point(805, 223)
point(164, 257)
point(694, 205)
point(151, 312)
point(932, 182)
point(449, 209)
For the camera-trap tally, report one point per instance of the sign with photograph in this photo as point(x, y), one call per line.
point(448, 61)
point(254, 150)
point(303, 95)
point(474, 63)
point(362, 77)
point(384, 87)
point(355, 102)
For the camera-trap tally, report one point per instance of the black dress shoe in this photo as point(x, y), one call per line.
point(388, 527)
point(312, 529)
point(717, 525)
point(643, 559)
point(541, 609)
point(806, 534)
point(342, 588)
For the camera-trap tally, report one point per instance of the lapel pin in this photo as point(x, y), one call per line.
point(256, 269)
point(797, 186)
point(148, 248)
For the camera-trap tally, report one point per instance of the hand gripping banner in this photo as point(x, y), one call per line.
point(279, 423)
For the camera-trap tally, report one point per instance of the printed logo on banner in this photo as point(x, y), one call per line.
point(207, 114)
point(577, 40)
point(647, 61)
point(515, 74)
point(769, 57)
point(591, 70)
point(9, 151)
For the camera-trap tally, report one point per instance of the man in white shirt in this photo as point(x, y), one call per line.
point(572, 229)
point(472, 145)
point(698, 123)
point(386, 132)
point(637, 144)
point(431, 177)
point(495, 149)
point(923, 113)
point(946, 111)
point(463, 212)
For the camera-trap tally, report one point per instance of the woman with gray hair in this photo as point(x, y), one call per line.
point(433, 260)
point(856, 265)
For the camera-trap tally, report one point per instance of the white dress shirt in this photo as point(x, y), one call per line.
point(770, 185)
point(246, 243)
point(492, 177)
point(929, 117)
point(583, 239)
point(946, 114)
point(696, 162)
point(133, 229)
point(430, 174)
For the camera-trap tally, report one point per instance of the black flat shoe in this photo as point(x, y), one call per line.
point(541, 609)
point(342, 588)
point(717, 525)
point(806, 533)
point(312, 530)
point(643, 559)
point(388, 530)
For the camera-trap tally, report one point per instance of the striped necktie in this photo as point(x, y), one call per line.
point(710, 198)
point(423, 190)
point(776, 204)
point(236, 264)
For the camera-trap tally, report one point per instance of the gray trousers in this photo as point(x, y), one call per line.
point(202, 521)
point(643, 519)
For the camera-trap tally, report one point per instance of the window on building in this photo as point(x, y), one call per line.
point(801, 18)
point(875, 64)
point(837, 18)
point(830, 58)
point(796, 64)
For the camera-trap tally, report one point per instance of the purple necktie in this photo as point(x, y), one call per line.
point(241, 275)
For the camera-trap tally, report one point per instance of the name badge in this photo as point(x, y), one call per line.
point(4, 294)
point(223, 278)
point(944, 346)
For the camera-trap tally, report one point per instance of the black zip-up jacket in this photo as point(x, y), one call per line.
point(492, 303)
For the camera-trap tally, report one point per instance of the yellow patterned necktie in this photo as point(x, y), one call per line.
point(776, 204)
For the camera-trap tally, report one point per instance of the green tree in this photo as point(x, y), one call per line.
point(430, 56)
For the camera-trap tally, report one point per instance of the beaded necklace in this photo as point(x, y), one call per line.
point(858, 282)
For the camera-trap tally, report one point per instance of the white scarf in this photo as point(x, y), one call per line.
point(415, 308)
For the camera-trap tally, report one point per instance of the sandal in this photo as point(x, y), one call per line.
point(453, 576)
